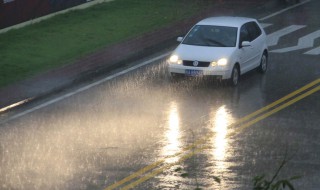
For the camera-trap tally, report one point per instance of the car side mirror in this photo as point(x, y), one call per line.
point(245, 44)
point(179, 39)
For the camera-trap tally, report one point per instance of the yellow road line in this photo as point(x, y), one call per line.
point(308, 93)
point(278, 101)
point(246, 118)
point(136, 174)
point(161, 169)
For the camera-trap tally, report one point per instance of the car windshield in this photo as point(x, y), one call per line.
point(213, 36)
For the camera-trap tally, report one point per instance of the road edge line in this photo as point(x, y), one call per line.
point(283, 10)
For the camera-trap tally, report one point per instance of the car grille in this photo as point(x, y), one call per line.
point(200, 63)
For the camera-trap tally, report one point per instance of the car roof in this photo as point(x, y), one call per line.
point(226, 21)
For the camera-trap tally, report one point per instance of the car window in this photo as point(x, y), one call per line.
point(244, 34)
point(254, 30)
point(214, 36)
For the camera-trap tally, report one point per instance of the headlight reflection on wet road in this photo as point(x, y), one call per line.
point(220, 120)
point(173, 134)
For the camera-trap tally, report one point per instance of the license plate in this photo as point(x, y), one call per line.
point(193, 72)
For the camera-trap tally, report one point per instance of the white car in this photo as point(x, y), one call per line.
point(223, 47)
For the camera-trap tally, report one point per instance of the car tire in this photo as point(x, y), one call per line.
point(235, 75)
point(263, 67)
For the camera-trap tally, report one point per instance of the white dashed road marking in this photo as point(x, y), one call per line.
point(283, 10)
point(303, 43)
point(315, 51)
point(273, 39)
point(265, 25)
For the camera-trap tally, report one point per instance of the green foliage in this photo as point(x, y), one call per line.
point(64, 38)
point(261, 183)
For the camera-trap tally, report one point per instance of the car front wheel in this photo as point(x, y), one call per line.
point(235, 75)
point(263, 63)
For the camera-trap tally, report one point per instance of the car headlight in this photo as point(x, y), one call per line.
point(175, 59)
point(220, 62)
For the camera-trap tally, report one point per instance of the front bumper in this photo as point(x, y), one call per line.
point(218, 71)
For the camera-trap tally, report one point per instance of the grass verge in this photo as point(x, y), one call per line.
point(62, 39)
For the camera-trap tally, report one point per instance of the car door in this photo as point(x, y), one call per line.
point(246, 53)
point(256, 43)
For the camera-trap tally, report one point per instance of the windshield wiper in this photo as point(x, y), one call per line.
point(215, 42)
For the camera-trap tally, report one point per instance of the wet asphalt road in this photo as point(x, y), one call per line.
point(182, 134)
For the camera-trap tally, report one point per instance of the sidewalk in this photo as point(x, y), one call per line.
point(112, 57)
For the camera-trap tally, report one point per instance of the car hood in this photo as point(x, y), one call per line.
point(203, 53)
